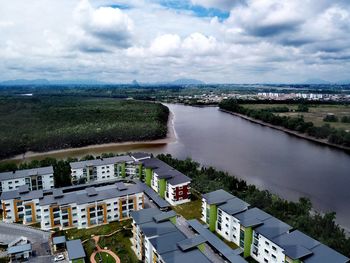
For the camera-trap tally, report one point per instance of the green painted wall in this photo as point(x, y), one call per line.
point(140, 171)
point(173, 220)
point(213, 217)
point(248, 239)
point(148, 176)
point(162, 187)
point(201, 247)
point(122, 166)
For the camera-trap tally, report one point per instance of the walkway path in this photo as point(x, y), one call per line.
point(99, 249)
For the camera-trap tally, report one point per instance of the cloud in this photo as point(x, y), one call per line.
point(103, 26)
point(220, 4)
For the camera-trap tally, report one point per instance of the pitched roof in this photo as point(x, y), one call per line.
point(217, 197)
point(272, 228)
point(164, 216)
point(75, 249)
point(230, 254)
point(297, 245)
point(152, 229)
point(168, 242)
point(102, 161)
point(252, 217)
point(178, 256)
point(160, 202)
point(59, 240)
point(19, 249)
point(140, 155)
point(144, 215)
point(164, 171)
point(25, 173)
point(324, 254)
point(190, 243)
point(234, 206)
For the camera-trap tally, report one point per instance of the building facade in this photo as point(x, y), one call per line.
point(261, 236)
point(36, 179)
point(156, 239)
point(104, 169)
point(72, 207)
point(169, 183)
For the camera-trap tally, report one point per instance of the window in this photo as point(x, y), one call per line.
point(180, 193)
point(274, 248)
point(273, 256)
point(266, 251)
point(265, 260)
point(267, 243)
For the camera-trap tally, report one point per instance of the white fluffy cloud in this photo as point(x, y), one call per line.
point(121, 40)
point(102, 26)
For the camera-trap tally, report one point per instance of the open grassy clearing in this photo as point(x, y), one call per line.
point(315, 115)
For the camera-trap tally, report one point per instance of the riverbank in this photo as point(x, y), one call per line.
point(294, 133)
point(98, 148)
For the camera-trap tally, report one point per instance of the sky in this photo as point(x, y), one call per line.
point(216, 41)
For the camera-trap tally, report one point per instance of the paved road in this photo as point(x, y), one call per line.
point(183, 226)
point(38, 238)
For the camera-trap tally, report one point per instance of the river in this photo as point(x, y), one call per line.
point(270, 159)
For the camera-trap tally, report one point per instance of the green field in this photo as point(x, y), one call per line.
point(46, 123)
point(315, 115)
point(191, 210)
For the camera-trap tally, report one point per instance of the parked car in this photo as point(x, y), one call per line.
point(59, 257)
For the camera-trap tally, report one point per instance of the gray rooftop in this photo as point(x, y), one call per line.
point(152, 229)
point(144, 215)
point(164, 171)
point(102, 161)
point(79, 196)
point(25, 173)
point(75, 249)
point(252, 217)
point(272, 228)
point(234, 206)
point(324, 254)
point(59, 240)
point(217, 197)
point(140, 155)
point(19, 249)
point(168, 242)
point(215, 242)
point(191, 242)
point(178, 256)
point(164, 216)
point(160, 202)
point(297, 245)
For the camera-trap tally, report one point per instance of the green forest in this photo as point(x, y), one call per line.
point(296, 214)
point(332, 135)
point(46, 123)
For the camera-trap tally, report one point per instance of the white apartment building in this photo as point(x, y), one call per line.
point(35, 179)
point(260, 235)
point(156, 239)
point(72, 207)
point(169, 183)
point(104, 169)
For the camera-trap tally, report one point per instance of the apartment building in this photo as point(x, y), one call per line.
point(156, 239)
point(104, 169)
point(169, 183)
point(259, 234)
point(80, 207)
point(35, 179)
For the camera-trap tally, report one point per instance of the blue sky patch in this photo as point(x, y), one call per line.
point(195, 9)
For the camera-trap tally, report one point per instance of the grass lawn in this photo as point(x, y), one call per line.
point(84, 234)
point(191, 210)
point(120, 244)
point(106, 258)
point(315, 115)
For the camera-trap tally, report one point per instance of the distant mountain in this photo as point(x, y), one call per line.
point(186, 82)
point(26, 82)
point(317, 81)
point(343, 82)
point(135, 83)
point(16, 82)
